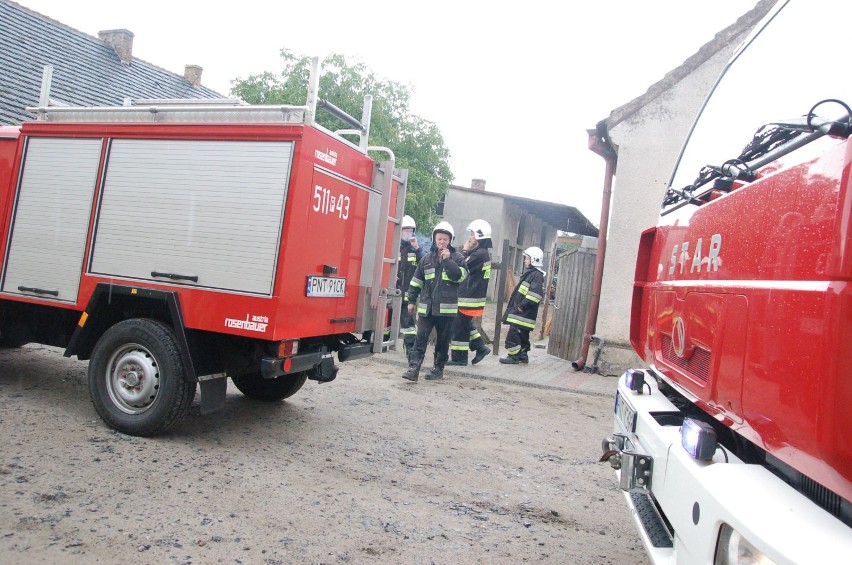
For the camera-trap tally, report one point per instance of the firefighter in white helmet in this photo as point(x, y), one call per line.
point(522, 309)
point(434, 289)
point(410, 254)
point(472, 293)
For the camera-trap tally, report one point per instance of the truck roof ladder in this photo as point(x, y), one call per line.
point(209, 110)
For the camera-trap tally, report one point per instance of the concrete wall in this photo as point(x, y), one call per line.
point(508, 221)
point(462, 207)
point(648, 143)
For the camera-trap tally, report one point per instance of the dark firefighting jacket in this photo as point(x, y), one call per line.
point(408, 259)
point(523, 304)
point(473, 291)
point(434, 286)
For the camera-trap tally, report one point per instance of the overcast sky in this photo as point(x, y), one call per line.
point(513, 86)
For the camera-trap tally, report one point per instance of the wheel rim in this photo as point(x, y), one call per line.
point(133, 379)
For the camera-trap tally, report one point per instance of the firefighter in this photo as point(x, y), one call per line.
point(523, 308)
point(465, 336)
point(434, 289)
point(410, 254)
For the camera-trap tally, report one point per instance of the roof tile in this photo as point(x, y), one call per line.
point(86, 71)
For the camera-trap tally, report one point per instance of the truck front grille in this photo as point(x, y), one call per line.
point(698, 364)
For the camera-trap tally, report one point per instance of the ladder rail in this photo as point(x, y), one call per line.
point(402, 188)
point(380, 297)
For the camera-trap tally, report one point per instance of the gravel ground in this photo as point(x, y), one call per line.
point(367, 469)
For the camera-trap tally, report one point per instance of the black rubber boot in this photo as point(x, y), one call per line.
point(458, 360)
point(481, 354)
point(437, 372)
point(523, 358)
point(510, 360)
point(414, 362)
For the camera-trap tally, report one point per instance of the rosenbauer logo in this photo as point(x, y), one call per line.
point(252, 324)
point(329, 157)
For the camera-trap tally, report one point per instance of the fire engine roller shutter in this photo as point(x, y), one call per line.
point(211, 209)
point(52, 217)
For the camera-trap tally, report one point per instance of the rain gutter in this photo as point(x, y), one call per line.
point(600, 144)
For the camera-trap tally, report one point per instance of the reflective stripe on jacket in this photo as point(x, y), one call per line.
point(522, 309)
point(474, 290)
point(408, 259)
point(434, 286)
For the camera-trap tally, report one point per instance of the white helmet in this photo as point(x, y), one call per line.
point(536, 256)
point(444, 227)
point(408, 222)
point(481, 229)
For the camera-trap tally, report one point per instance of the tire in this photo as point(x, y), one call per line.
point(269, 390)
point(137, 379)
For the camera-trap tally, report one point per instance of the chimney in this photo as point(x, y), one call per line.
point(192, 73)
point(477, 184)
point(121, 40)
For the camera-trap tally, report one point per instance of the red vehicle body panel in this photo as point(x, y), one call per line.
point(745, 305)
point(8, 146)
point(311, 238)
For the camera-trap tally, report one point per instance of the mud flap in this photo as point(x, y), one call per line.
point(325, 371)
point(213, 388)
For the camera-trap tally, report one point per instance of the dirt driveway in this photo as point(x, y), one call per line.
point(367, 469)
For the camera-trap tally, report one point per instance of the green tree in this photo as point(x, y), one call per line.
point(417, 143)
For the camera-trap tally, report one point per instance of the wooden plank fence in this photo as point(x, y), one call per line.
point(573, 295)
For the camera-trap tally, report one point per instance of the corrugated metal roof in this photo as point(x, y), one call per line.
point(86, 71)
point(560, 216)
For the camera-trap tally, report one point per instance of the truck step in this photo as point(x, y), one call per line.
point(657, 531)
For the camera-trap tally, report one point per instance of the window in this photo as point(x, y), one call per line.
point(439, 207)
point(522, 228)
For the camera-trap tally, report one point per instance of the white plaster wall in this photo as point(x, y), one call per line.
point(648, 144)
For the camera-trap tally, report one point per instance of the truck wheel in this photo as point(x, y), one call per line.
point(270, 390)
point(137, 379)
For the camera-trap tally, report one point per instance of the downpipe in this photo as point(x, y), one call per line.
point(593, 368)
point(600, 144)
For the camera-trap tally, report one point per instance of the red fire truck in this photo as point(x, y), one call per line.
point(733, 445)
point(178, 243)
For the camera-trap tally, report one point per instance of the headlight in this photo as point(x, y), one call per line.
point(733, 549)
point(698, 439)
point(635, 380)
